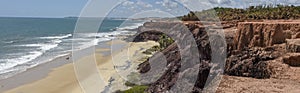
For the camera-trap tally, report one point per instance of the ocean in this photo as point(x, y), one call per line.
point(29, 42)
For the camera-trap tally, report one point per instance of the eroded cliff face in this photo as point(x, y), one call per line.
point(254, 49)
point(262, 34)
point(172, 54)
point(257, 44)
point(268, 50)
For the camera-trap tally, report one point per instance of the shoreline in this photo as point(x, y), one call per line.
point(42, 70)
point(39, 72)
point(48, 77)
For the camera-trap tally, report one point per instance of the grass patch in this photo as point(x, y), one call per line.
point(135, 89)
point(127, 83)
point(152, 50)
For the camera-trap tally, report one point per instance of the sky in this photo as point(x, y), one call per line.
point(119, 8)
point(41, 8)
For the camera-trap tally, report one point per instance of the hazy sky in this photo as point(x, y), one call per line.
point(41, 8)
point(63, 8)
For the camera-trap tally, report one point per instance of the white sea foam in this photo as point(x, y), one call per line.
point(9, 63)
point(48, 45)
point(6, 65)
point(43, 47)
point(85, 40)
point(136, 25)
point(57, 41)
point(57, 37)
point(8, 42)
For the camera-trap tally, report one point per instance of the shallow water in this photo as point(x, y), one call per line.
point(28, 42)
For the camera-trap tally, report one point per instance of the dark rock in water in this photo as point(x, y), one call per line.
point(250, 63)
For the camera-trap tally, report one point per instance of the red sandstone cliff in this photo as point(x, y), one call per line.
point(268, 50)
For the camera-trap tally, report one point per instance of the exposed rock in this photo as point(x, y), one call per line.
point(149, 35)
point(173, 56)
point(251, 63)
point(293, 45)
point(297, 35)
point(252, 50)
point(292, 59)
point(262, 34)
point(229, 36)
point(229, 24)
point(288, 34)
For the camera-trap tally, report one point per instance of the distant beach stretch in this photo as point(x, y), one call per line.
point(39, 53)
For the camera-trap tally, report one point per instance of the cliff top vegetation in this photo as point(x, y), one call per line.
point(269, 12)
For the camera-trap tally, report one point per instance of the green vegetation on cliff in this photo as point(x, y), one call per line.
point(251, 13)
point(134, 89)
point(164, 41)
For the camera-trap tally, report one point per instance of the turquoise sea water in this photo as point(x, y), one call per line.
point(28, 42)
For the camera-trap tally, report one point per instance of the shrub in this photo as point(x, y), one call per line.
point(135, 89)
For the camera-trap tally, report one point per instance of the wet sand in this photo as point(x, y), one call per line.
point(58, 76)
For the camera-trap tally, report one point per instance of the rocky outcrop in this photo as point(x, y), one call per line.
point(229, 24)
point(293, 45)
point(292, 59)
point(262, 34)
point(173, 55)
point(149, 35)
point(251, 50)
point(263, 50)
point(251, 63)
point(297, 35)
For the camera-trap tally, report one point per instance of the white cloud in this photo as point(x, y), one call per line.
point(295, 2)
point(197, 5)
point(167, 3)
point(139, 3)
point(127, 3)
point(144, 4)
point(158, 2)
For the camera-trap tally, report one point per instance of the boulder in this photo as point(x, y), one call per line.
point(148, 35)
point(293, 45)
point(292, 59)
point(250, 63)
point(297, 35)
point(288, 34)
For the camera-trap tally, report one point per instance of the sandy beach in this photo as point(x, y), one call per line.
point(58, 76)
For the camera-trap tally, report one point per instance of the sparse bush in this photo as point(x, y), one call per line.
point(134, 89)
point(127, 83)
point(152, 50)
point(164, 41)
